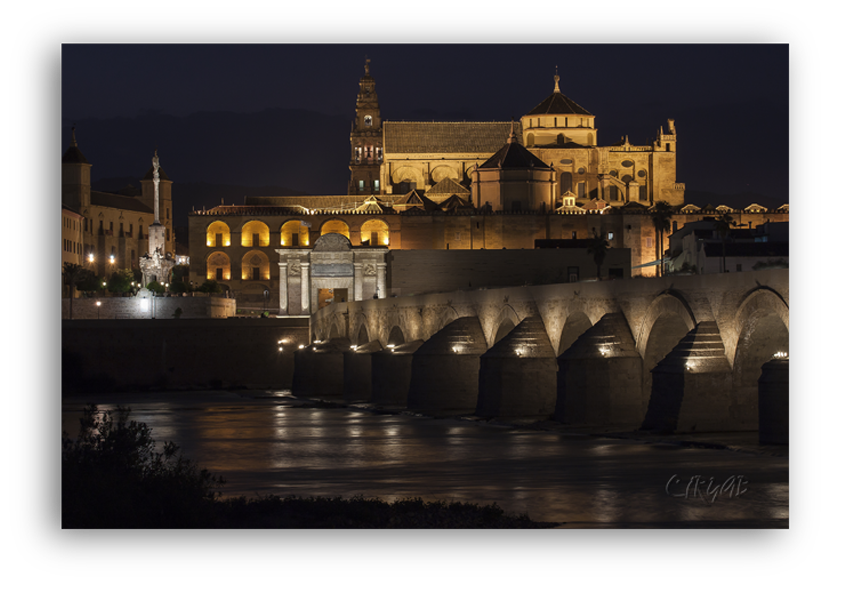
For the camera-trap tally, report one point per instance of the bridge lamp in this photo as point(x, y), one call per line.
point(112, 259)
point(390, 346)
point(300, 346)
point(91, 257)
point(456, 349)
point(353, 347)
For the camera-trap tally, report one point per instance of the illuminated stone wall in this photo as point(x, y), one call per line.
point(135, 308)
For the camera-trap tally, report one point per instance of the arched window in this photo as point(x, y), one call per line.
point(336, 226)
point(217, 266)
point(255, 266)
point(217, 235)
point(255, 234)
point(375, 233)
point(294, 234)
point(368, 120)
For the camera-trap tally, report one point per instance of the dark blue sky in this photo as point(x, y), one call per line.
point(729, 101)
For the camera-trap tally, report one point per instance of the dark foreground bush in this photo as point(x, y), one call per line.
point(113, 477)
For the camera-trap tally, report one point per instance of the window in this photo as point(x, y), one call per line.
point(573, 274)
point(361, 185)
point(219, 273)
point(376, 185)
point(738, 267)
point(295, 240)
point(573, 234)
point(580, 190)
point(649, 242)
point(255, 273)
point(368, 121)
point(610, 235)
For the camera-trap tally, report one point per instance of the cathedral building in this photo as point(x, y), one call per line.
point(448, 186)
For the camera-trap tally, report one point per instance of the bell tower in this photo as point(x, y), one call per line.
point(366, 139)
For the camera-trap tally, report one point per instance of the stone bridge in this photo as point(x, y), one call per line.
point(680, 353)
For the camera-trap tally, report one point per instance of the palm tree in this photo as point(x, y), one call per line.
point(661, 216)
point(597, 248)
point(723, 223)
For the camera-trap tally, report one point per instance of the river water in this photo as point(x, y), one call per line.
point(283, 446)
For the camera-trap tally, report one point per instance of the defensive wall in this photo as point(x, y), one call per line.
point(681, 353)
point(138, 308)
point(133, 355)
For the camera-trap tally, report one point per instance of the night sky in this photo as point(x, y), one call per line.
point(215, 111)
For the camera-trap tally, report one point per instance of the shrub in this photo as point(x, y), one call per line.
point(113, 477)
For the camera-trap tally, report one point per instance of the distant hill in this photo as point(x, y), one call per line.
point(307, 151)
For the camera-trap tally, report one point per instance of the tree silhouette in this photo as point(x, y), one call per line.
point(661, 216)
point(597, 248)
point(723, 223)
point(73, 275)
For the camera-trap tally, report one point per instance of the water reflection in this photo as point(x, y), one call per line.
point(274, 446)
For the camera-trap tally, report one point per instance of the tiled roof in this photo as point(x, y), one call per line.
point(558, 104)
point(513, 156)
point(411, 137)
point(119, 202)
point(447, 186)
point(414, 199)
point(317, 202)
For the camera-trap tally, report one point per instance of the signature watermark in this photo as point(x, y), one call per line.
point(708, 490)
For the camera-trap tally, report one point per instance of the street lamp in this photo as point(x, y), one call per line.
point(98, 310)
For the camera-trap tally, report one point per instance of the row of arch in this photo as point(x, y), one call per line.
point(255, 265)
point(758, 331)
point(293, 233)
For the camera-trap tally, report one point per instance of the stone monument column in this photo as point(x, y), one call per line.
point(283, 287)
point(380, 280)
point(357, 281)
point(305, 288)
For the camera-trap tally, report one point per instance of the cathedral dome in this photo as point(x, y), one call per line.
point(558, 103)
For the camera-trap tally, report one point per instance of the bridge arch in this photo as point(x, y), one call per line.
point(396, 336)
point(669, 318)
point(506, 321)
point(575, 325)
point(761, 330)
point(359, 332)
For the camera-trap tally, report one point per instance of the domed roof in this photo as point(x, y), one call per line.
point(557, 103)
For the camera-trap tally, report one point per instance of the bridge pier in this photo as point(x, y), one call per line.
point(600, 377)
point(391, 373)
point(357, 371)
point(517, 376)
point(773, 402)
point(319, 368)
point(692, 386)
point(445, 369)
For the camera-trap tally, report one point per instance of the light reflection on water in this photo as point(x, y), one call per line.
point(272, 446)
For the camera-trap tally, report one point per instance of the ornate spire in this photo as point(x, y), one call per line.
point(367, 65)
point(556, 81)
point(73, 136)
point(512, 137)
